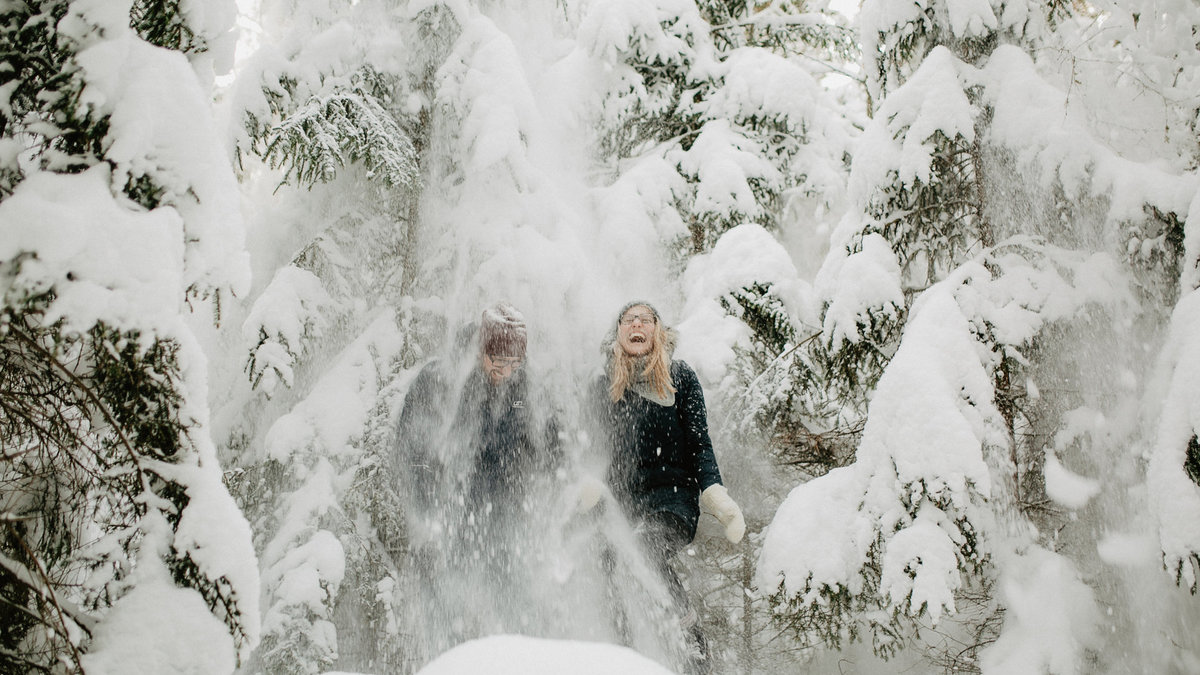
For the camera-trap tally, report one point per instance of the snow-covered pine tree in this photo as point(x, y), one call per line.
point(721, 106)
point(771, 86)
point(1165, 54)
point(987, 197)
point(113, 214)
point(781, 56)
point(724, 96)
point(332, 118)
point(744, 125)
point(747, 258)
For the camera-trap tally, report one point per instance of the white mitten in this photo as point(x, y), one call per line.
point(716, 500)
point(588, 492)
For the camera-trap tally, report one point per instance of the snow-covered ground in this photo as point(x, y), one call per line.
point(519, 655)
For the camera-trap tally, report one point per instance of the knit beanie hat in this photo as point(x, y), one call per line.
point(502, 331)
point(630, 305)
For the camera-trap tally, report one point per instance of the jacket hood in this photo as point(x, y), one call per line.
point(671, 336)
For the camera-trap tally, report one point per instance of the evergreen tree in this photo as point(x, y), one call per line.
point(755, 137)
point(710, 88)
point(337, 118)
point(1162, 38)
point(722, 108)
point(110, 490)
point(959, 199)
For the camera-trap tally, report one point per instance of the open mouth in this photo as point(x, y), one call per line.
point(637, 337)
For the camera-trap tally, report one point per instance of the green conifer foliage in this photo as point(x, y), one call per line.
point(161, 23)
point(782, 26)
point(346, 124)
point(347, 121)
point(85, 423)
point(91, 418)
point(782, 390)
point(981, 215)
point(43, 88)
point(673, 97)
point(345, 137)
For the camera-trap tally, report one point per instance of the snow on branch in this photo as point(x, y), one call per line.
point(863, 290)
point(662, 33)
point(901, 139)
point(1174, 496)
point(1032, 118)
point(744, 257)
point(785, 25)
point(902, 526)
point(762, 86)
point(483, 84)
point(284, 318)
point(730, 171)
point(317, 447)
point(340, 127)
point(913, 519)
point(164, 149)
point(330, 419)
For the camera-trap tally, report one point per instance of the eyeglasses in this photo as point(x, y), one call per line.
point(512, 362)
point(645, 319)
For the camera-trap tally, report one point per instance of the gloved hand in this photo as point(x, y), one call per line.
point(716, 500)
point(588, 492)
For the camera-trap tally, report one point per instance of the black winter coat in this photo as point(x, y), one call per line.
point(505, 439)
point(661, 456)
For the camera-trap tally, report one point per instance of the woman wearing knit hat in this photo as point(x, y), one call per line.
point(501, 341)
point(491, 418)
point(474, 444)
point(662, 467)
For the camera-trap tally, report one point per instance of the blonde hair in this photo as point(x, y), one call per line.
point(622, 368)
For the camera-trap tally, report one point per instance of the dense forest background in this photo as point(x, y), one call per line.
point(935, 262)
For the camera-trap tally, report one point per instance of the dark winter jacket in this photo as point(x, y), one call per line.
point(661, 456)
point(483, 456)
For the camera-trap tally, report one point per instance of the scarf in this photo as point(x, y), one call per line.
point(642, 386)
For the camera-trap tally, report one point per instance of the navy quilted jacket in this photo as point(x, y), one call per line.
point(661, 456)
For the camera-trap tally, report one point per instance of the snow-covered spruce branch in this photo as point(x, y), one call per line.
point(781, 359)
point(160, 23)
point(901, 216)
point(152, 488)
point(284, 320)
point(908, 506)
point(840, 40)
point(334, 129)
point(762, 19)
point(1175, 498)
point(37, 581)
point(82, 387)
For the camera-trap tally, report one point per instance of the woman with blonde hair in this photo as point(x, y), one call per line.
point(662, 468)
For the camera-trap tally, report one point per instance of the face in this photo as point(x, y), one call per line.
point(500, 368)
point(635, 330)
